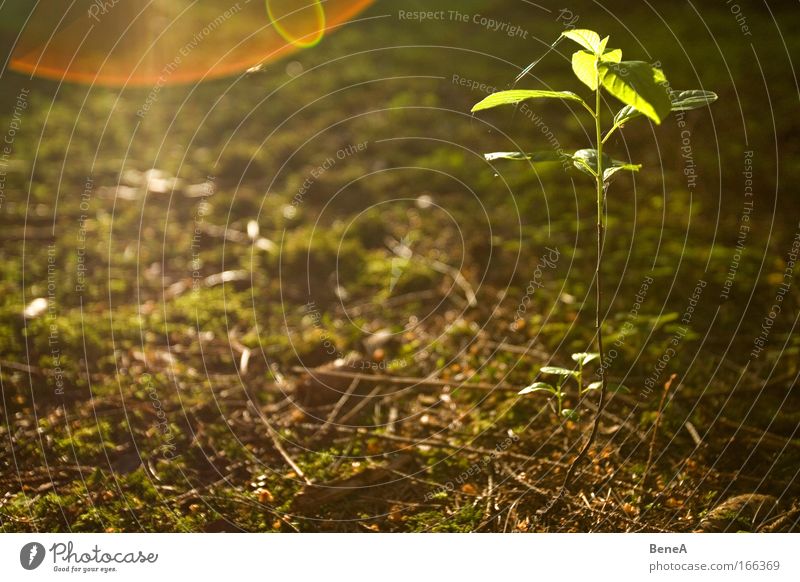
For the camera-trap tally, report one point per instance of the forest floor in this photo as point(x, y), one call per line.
point(317, 312)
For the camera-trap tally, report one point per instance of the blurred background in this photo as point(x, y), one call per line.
point(178, 252)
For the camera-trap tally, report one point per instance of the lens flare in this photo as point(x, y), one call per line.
point(163, 42)
point(302, 27)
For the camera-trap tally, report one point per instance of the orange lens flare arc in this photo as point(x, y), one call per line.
point(147, 43)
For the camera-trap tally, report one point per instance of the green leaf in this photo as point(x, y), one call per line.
point(584, 358)
point(517, 95)
point(687, 100)
point(538, 387)
point(584, 167)
point(570, 414)
point(638, 84)
point(586, 161)
point(625, 114)
point(557, 371)
point(660, 78)
point(588, 39)
point(584, 65)
point(609, 173)
point(533, 157)
point(679, 101)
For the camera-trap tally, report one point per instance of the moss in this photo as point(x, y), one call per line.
point(139, 313)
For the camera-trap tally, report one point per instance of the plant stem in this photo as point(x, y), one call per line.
point(599, 297)
point(609, 132)
point(598, 270)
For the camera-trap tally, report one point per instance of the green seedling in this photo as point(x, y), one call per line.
point(645, 93)
point(564, 374)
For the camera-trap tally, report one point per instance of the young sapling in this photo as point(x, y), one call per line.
point(645, 92)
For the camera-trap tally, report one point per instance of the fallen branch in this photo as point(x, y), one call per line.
point(411, 381)
point(276, 440)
